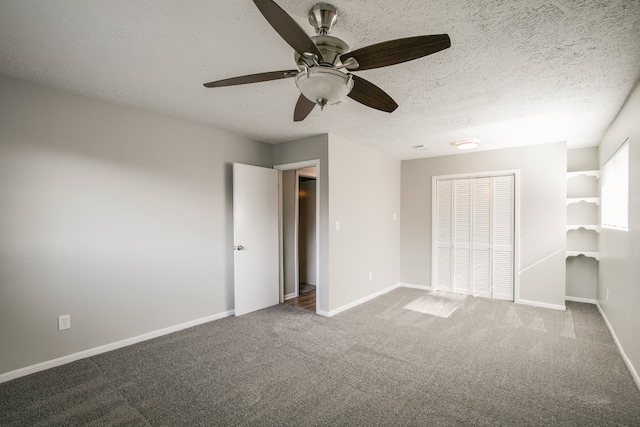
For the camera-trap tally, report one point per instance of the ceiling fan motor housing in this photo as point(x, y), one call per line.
point(331, 49)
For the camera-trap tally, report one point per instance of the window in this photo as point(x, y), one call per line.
point(615, 190)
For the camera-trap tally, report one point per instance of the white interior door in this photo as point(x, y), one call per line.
point(255, 236)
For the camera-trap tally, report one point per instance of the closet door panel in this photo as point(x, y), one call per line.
point(503, 235)
point(444, 236)
point(462, 230)
point(481, 253)
point(502, 275)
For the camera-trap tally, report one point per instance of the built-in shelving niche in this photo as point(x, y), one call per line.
point(583, 213)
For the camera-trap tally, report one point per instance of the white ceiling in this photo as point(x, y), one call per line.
point(517, 73)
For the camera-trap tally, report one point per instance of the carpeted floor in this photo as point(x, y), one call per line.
point(488, 363)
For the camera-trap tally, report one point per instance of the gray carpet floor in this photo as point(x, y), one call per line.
point(489, 363)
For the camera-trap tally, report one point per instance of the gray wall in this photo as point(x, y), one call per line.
point(619, 271)
point(542, 215)
point(364, 197)
point(117, 216)
point(369, 238)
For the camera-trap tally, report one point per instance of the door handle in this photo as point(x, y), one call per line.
point(238, 248)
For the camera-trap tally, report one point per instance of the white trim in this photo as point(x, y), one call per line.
point(593, 227)
point(281, 297)
point(298, 165)
point(516, 235)
point(290, 296)
point(632, 370)
point(580, 299)
point(573, 200)
point(486, 174)
point(358, 302)
point(589, 254)
point(409, 285)
point(8, 376)
point(301, 165)
point(542, 304)
point(296, 234)
point(594, 173)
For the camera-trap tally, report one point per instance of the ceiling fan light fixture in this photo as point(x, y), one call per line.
point(466, 144)
point(324, 85)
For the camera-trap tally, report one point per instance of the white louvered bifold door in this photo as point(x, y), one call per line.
point(475, 234)
point(481, 254)
point(444, 233)
point(503, 236)
point(462, 236)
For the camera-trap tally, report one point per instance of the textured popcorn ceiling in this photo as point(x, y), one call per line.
point(518, 72)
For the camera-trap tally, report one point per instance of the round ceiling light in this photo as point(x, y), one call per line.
point(466, 144)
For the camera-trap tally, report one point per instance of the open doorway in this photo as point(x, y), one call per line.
point(299, 206)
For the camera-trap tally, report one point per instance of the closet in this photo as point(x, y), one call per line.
point(473, 232)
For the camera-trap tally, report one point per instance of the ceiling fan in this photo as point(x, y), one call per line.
point(324, 62)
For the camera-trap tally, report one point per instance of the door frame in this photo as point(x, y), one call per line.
point(302, 173)
point(516, 219)
point(295, 166)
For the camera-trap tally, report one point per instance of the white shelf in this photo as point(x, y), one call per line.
point(594, 173)
point(580, 239)
point(595, 200)
point(589, 254)
point(592, 227)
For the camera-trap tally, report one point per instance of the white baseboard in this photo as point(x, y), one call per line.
point(290, 296)
point(632, 369)
point(358, 302)
point(542, 304)
point(409, 285)
point(580, 299)
point(8, 376)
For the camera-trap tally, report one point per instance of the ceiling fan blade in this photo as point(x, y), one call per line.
point(396, 51)
point(288, 29)
point(303, 108)
point(371, 95)
point(253, 78)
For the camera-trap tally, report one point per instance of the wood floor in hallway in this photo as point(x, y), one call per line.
point(306, 301)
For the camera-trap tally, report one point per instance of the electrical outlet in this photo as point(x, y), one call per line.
point(64, 322)
point(370, 276)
